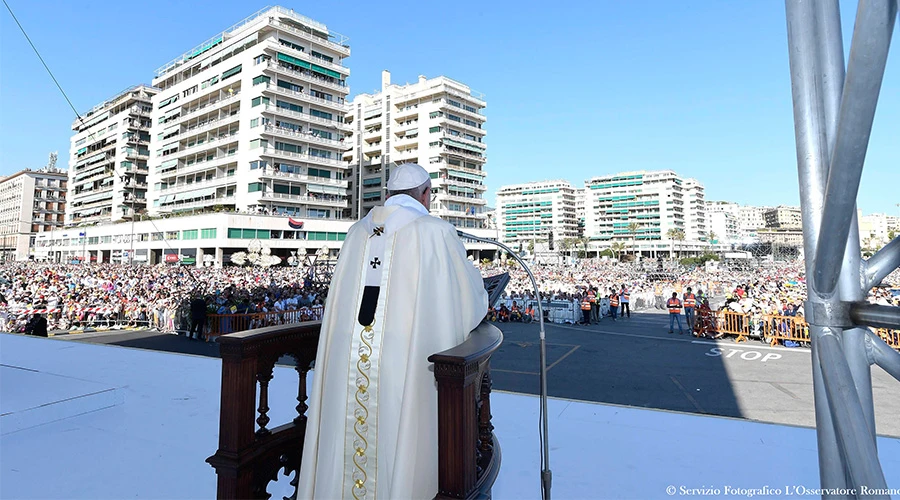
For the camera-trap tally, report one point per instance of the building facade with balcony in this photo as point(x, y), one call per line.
point(437, 123)
point(108, 158)
point(532, 211)
point(783, 217)
point(253, 120)
point(32, 203)
point(655, 201)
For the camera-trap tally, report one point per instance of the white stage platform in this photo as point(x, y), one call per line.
point(91, 421)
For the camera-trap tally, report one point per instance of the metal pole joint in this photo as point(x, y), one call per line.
point(833, 314)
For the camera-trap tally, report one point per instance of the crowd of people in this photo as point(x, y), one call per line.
point(76, 296)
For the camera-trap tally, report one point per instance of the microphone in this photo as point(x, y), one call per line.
point(546, 475)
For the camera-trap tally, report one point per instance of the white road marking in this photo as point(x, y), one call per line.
point(753, 348)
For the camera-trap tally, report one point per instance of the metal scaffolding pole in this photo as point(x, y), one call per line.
point(833, 114)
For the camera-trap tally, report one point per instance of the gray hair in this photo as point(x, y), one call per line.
point(415, 192)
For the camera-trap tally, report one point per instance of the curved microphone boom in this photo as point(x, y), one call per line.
point(546, 475)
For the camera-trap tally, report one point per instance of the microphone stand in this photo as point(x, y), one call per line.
point(546, 475)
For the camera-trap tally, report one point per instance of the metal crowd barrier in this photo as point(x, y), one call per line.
point(770, 328)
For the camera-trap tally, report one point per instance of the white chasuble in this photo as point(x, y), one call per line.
point(403, 289)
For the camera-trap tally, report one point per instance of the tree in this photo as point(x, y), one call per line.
point(565, 245)
point(711, 237)
point(892, 234)
point(531, 247)
point(618, 247)
point(675, 234)
point(585, 241)
point(633, 229)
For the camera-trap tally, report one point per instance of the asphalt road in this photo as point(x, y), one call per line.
point(634, 362)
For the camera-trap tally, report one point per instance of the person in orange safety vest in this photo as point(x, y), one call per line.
point(613, 303)
point(690, 302)
point(674, 306)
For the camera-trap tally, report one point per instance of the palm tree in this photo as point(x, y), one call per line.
point(633, 229)
point(711, 236)
point(675, 234)
point(617, 247)
point(585, 241)
point(565, 245)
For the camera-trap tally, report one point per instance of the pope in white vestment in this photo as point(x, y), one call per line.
point(402, 290)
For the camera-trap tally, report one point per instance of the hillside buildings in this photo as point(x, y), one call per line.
point(437, 123)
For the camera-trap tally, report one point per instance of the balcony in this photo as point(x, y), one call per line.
point(338, 105)
point(212, 143)
point(477, 100)
point(225, 200)
point(308, 57)
point(220, 181)
point(203, 127)
point(308, 77)
point(138, 111)
point(208, 106)
point(463, 199)
point(307, 137)
point(305, 199)
point(441, 212)
point(136, 154)
point(303, 157)
point(276, 110)
point(274, 174)
point(201, 165)
point(454, 182)
point(445, 150)
point(345, 51)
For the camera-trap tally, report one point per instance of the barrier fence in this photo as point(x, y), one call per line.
point(221, 324)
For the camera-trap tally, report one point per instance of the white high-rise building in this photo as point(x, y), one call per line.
point(656, 202)
point(784, 217)
point(531, 211)
point(875, 229)
point(108, 158)
point(253, 120)
point(579, 210)
point(750, 219)
point(695, 223)
point(32, 202)
point(437, 123)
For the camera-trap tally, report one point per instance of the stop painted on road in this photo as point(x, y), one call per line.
point(745, 354)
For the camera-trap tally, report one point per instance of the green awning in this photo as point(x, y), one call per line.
point(465, 175)
point(231, 72)
point(82, 150)
point(292, 60)
point(327, 72)
point(463, 145)
point(166, 102)
point(168, 163)
point(315, 188)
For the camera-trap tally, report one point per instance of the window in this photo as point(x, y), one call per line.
point(320, 114)
point(322, 56)
point(290, 86)
point(281, 188)
point(248, 234)
point(319, 153)
point(321, 95)
point(289, 106)
point(254, 187)
point(434, 130)
point(259, 100)
point(256, 143)
point(316, 172)
point(212, 81)
point(234, 233)
point(288, 125)
point(291, 148)
point(157, 236)
point(454, 118)
point(189, 234)
point(257, 164)
point(261, 79)
point(320, 133)
point(208, 234)
point(254, 122)
point(288, 43)
point(192, 90)
point(171, 235)
point(318, 214)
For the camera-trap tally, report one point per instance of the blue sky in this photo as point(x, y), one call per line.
point(574, 89)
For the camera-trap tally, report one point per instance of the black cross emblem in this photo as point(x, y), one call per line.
point(375, 263)
point(378, 230)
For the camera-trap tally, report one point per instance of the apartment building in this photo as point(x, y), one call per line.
point(108, 158)
point(437, 123)
point(875, 230)
point(695, 223)
point(534, 210)
point(253, 120)
point(783, 217)
point(579, 210)
point(32, 202)
point(655, 201)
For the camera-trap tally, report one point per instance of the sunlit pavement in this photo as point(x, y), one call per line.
point(635, 362)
